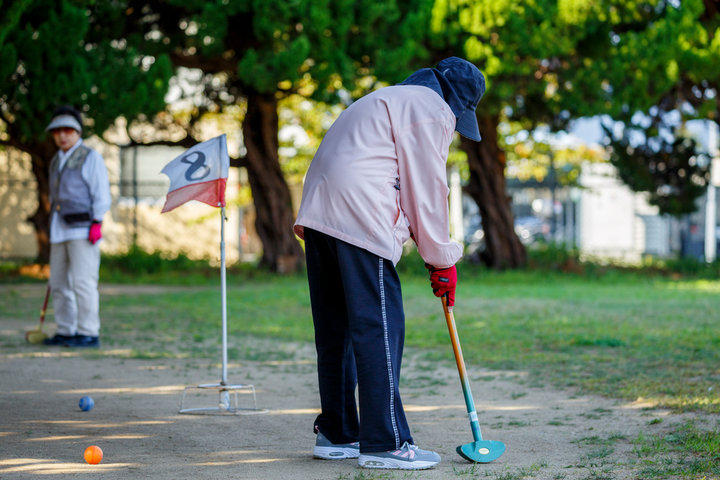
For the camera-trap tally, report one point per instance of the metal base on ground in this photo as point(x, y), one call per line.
point(228, 400)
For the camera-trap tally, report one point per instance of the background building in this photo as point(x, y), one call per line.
point(138, 192)
point(601, 217)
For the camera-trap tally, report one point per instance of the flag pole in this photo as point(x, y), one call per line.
point(179, 172)
point(223, 281)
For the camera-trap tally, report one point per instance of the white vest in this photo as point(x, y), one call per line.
point(69, 192)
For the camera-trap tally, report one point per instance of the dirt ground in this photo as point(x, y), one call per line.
point(550, 434)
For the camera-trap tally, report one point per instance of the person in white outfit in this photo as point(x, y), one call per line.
point(80, 198)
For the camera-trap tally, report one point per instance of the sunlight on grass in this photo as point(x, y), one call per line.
point(624, 336)
point(695, 285)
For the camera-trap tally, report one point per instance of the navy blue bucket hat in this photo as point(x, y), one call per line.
point(461, 85)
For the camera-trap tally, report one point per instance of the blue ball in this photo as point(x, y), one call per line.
point(86, 403)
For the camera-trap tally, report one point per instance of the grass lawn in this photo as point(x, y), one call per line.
point(621, 335)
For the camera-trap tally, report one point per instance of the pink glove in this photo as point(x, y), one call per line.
point(95, 232)
point(443, 282)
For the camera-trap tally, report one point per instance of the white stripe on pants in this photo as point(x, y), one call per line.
point(74, 272)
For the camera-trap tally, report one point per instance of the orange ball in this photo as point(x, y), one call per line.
point(93, 454)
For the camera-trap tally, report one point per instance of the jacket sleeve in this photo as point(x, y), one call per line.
point(422, 151)
point(96, 176)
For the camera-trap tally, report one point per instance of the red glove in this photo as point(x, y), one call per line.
point(95, 232)
point(443, 282)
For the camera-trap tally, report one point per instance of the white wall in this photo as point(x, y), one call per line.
point(616, 222)
point(18, 201)
point(192, 229)
point(607, 216)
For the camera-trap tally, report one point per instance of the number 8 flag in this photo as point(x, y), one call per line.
point(199, 174)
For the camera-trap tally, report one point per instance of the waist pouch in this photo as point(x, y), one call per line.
point(77, 219)
point(74, 214)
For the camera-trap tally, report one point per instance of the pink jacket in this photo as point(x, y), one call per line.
point(380, 174)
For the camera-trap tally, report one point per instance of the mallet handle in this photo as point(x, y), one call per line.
point(45, 303)
point(469, 403)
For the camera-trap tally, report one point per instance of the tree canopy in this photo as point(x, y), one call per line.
point(260, 52)
point(672, 172)
point(54, 54)
point(661, 59)
point(546, 62)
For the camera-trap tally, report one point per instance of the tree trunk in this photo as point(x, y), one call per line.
point(487, 187)
point(271, 195)
point(41, 155)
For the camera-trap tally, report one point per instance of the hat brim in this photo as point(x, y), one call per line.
point(64, 121)
point(467, 125)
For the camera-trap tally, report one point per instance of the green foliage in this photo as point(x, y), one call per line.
point(302, 125)
point(688, 267)
point(10, 272)
point(12, 9)
point(559, 258)
point(59, 53)
point(508, 40)
point(265, 51)
point(138, 262)
point(533, 158)
point(656, 53)
point(312, 47)
point(673, 173)
point(548, 61)
point(140, 266)
point(553, 257)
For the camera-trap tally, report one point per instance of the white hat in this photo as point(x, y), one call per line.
point(64, 121)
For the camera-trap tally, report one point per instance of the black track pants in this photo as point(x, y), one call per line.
point(359, 334)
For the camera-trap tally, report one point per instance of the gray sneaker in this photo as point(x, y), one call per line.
point(408, 457)
point(334, 451)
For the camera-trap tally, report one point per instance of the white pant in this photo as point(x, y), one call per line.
point(74, 272)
